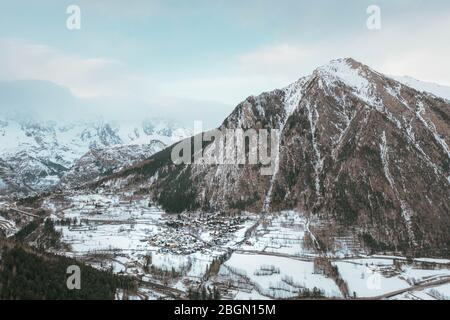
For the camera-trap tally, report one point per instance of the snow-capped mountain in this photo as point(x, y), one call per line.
point(35, 155)
point(97, 163)
point(433, 88)
point(358, 149)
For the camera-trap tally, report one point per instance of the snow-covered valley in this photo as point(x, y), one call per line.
point(266, 256)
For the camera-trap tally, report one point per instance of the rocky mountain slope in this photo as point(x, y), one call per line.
point(34, 155)
point(97, 163)
point(357, 149)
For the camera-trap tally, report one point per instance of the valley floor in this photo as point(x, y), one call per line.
point(267, 256)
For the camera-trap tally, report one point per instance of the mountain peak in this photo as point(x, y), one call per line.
point(341, 68)
point(351, 73)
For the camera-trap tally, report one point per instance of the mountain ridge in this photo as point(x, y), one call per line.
point(35, 155)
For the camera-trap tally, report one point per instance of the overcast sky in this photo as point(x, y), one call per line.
point(200, 58)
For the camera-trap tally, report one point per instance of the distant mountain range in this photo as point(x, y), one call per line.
point(35, 156)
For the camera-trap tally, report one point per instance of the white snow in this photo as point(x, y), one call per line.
point(8, 226)
point(428, 260)
point(29, 146)
point(367, 280)
point(430, 126)
point(422, 86)
point(252, 295)
point(2, 184)
point(281, 233)
point(415, 275)
point(341, 71)
point(274, 285)
point(313, 118)
point(441, 292)
point(406, 212)
point(292, 97)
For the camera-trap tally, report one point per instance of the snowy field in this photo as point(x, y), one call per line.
point(279, 277)
point(247, 257)
point(131, 236)
point(378, 276)
point(366, 279)
point(441, 292)
point(283, 234)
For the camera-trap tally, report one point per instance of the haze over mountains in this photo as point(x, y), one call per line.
point(39, 100)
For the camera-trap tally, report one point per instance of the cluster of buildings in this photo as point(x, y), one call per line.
point(187, 233)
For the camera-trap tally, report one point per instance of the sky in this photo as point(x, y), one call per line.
point(197, 59)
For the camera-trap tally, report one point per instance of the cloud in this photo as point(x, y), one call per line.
point(43, 100)
point(42, 82)
point(418, 50)
point(278, 60)
point(249, 73)
point(401, 47)
point(85, 77)
point(37, 99)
